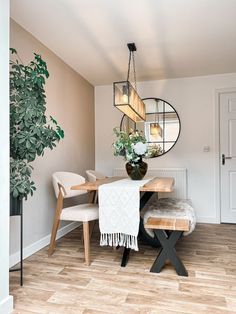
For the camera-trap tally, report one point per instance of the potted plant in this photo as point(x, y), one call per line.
point(30, 130)
point(132, 146)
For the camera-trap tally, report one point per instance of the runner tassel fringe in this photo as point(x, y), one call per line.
point(121, 239)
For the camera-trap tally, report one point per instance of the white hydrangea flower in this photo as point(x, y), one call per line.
point(140, 148)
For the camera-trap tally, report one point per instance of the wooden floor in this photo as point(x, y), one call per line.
point(63, 284)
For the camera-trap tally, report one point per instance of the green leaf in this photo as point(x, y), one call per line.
point(28, 145)
point(53, 120)
point(13, 50)
point(15, 193)
point(30, 133)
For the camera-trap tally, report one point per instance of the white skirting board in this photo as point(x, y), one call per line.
point(38, 245)
point(179, 174)
point(6, 305)
point(208, 220)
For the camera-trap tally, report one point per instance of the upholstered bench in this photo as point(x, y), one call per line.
point(168, 219)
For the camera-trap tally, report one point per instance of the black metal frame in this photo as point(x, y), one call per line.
point(159, 99)
point(21, 244)
point(166, 102)
point(168, 241)
point(132, 48)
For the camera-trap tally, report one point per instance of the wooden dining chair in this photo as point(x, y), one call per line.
point(62, 182)
point(94, 175)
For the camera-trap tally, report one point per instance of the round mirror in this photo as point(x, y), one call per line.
point(161, 128)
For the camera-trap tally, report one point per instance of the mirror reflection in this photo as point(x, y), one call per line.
point(161, 128)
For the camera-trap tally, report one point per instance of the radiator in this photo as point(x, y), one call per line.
point(179, 175)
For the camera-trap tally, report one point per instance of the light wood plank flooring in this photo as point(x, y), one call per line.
point(63, 284)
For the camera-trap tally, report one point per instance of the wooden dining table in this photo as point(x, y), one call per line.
point(154, 185)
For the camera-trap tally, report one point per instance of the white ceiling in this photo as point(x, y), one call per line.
point(174, 38)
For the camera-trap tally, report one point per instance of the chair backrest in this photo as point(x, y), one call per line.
point(94, 175)
point(67, 180)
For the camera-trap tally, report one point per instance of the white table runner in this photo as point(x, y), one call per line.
point(119, 214)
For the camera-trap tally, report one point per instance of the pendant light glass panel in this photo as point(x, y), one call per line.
point(155, 129)
point(128, 101)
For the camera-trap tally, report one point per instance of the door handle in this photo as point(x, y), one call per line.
point(225, 157)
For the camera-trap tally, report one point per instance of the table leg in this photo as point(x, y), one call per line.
point(125, 257)
point(168, 251)
point(143, 201)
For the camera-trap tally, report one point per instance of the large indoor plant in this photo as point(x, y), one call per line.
point(30, 130)
point(132, 146)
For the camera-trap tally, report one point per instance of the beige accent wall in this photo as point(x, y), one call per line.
point(70, 99)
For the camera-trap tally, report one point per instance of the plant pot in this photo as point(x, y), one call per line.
point(15, 206)
point(136, 170)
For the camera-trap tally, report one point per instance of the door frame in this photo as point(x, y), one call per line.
point(217, 167)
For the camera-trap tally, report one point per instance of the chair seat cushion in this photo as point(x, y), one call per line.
point(171, 208)
point(82, 212)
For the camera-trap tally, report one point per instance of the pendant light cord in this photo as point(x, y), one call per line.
point(135, 83)
point(131, 54)
point(129, 66)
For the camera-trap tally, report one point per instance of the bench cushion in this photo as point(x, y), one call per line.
point(171, 208)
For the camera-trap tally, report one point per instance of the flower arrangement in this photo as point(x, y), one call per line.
point(132, 146)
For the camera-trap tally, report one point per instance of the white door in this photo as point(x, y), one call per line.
point(228, 156)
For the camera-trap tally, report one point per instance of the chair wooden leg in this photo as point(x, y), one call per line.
point(55, 224)
point(91, 228)
point(96, 197)
point(86, 242)
point(53, 237)
point(92, 225)
point(91, 198)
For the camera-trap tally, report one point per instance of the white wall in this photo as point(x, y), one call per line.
point(195, 101)
point(6, 304)
point(70, 100)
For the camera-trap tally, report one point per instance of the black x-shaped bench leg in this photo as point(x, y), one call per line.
point(168, 252)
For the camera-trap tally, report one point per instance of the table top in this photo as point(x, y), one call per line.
point(154, 185)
